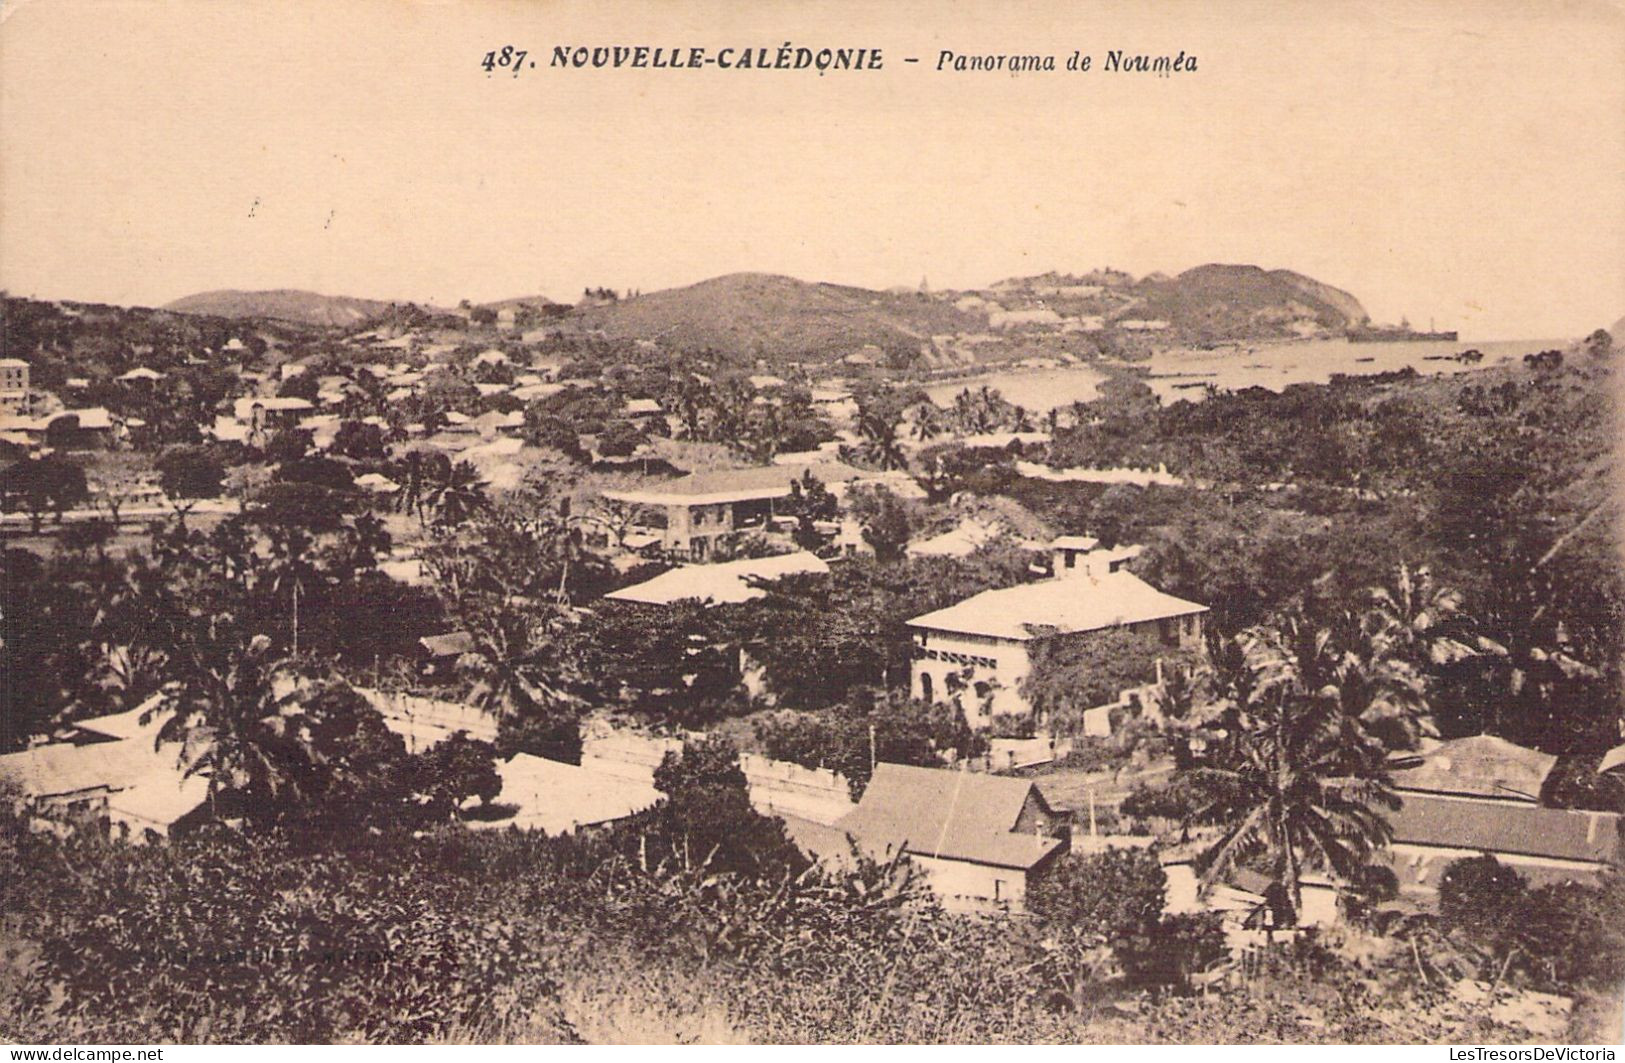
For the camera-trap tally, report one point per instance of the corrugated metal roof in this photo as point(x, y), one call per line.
point(559, 798)
point(725, 485)
point(1507, 827)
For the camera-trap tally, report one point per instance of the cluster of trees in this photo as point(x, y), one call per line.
point(849, 739)
point(88, 633)
point(1490, 922)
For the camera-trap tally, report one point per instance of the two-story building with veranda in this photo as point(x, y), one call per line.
point(696, 515)
point(988, 640)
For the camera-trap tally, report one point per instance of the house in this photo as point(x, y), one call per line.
point(13, 385)
point(697, 514)
point(729, 581)
point(90, 428)
point(981, 840)
point(988, 639)
point(114, 772)
point(140, 374)
point(559, 798)
point(263, 414)
point(439, 653)
point(1480, 794)
point(1240, 899)
point(1613, 760)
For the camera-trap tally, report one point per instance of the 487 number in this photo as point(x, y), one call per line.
point(507, 58)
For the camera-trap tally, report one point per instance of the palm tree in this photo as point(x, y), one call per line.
point(457, 494)
point(221, 705)
point(881, 447)
point(928, 422)
point(1377, 698)
point(415, 475)
point(1421, 619)
point(1296, 776)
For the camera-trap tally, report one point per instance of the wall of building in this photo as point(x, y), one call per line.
point(962, 886)
point(1004, 663)
point(1000, 663)
point(1419, 867)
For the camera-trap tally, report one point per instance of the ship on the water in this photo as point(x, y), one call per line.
point(1401, 333)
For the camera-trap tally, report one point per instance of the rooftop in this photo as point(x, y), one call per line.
point(1058, 606)
point(1494, 827)
point(1480, 766)
point(727, 581)
point(951, 815)
point(736, 485)
point(558, 798)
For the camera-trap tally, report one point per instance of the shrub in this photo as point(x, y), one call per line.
point(1481, 896)
point(1110, 893)
point(1168, 952)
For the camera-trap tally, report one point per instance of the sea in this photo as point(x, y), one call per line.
point(1182, 374)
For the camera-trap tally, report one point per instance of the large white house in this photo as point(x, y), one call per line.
point(978, 651)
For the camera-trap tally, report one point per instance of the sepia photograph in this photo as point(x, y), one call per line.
point(791, 523)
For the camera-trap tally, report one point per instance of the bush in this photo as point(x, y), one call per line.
point(1575, 933)
point(1107, 894)
point(1170, 951)
point(1480, 896)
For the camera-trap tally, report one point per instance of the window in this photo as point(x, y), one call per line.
point(927, 691)
point(1001, 891)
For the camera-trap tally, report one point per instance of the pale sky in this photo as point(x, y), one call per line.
point(1463, 162)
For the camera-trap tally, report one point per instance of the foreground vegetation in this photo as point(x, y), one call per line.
point(628, 935)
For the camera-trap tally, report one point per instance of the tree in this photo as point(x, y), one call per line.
point(359, 441)
point(809, 503)
point(452, 771)
point(280, 741)
point(884, 519)
point(620, 439)
point(504, 578)
point(707, 820)
point(40, 484)
point(1072, 675)
point(545, 429)
point(190, 473)
point(671, 665)
point(303, 385)
point(289, 444)
point(879, 421)
point(456, 494)
point(1101, 895)
point(1297, 778)
point(1600, 344)
point(1482, 896)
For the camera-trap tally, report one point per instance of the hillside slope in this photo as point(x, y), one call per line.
point(759, 315)
point(307, 308)
point(1245, 302)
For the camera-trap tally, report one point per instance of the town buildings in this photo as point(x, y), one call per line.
point(700, 515)
point(981, 840)
point(979, 651)
point(13, 385)
point(1481, 794)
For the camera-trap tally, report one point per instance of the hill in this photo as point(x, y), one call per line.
point(1246, 302)
point(759, 315)
point(306, 308)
